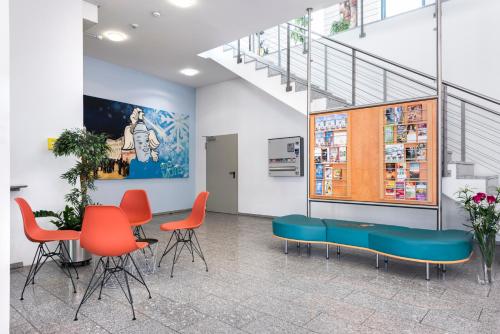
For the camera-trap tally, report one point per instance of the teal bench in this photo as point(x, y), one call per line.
point(404, 243)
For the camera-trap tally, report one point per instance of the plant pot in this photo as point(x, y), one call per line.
point(78, 255)
point(487, 246)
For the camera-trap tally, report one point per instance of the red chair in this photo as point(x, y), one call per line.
point(106, 233)
point(38, 235)
point(136, 206)
point(192, 222)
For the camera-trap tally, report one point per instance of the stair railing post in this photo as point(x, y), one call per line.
point(353, 77)
point(362, 23)
point(279, 46)
point(462, 131)
point(258, 43)
point(288, 83)
point(384, 83)
point(250, 42)
point(326, 68)
point(238, 59)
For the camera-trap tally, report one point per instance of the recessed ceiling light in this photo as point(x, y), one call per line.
point(189, 72)
point(183, 3)
point(134, 25)
point(115, 36)
point(156, 14)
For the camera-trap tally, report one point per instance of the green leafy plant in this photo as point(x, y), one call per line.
point(298, 34)
point(339, 26)
point(90, 150)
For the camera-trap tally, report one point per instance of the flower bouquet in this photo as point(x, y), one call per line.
point(484, 217)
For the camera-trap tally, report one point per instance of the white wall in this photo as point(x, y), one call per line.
point(46, 97)
point(105, 80)
point(236, 106)
point(470, 49)
point(4, 174)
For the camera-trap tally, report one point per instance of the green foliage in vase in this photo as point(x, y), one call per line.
point(90, 151)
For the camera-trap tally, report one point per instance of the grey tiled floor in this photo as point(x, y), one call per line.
point(252, 287)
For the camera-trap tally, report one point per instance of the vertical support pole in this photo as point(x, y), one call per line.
point(462, 131)
point(439, 86)
point(258, 43)
point(288, 85)
point(308, 104)
point(327, 251)
point(362, 23)
point(377, 262)
point(383, 9)
point(286, 246)
point(326, 68)
point(279, 45)
point(238, 59)
point(384, 83)
point(353, 77)
point(445, 131)
point(427, 275)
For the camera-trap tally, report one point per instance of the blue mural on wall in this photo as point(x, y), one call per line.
point(144, 142)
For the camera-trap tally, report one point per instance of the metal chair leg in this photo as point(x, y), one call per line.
point(36, 259)
point(199, 250)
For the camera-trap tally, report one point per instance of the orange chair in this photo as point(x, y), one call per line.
point(106, 233)
point(192, 222)
point(136, 206)
point(38, 235)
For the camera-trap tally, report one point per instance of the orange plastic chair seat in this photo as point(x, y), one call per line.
point(178, 225)
point(47, 235)
point(141, 245)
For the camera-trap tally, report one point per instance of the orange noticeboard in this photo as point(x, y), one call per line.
point(382, 154)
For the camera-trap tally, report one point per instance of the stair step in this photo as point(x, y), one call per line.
point(247, 59)
point(478, 177)
point(272, 73)
point(260, 66)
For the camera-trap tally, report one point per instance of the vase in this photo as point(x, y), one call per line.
point(77, 254)
point(487, 246)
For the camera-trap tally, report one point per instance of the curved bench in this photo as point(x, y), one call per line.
point(410, 244)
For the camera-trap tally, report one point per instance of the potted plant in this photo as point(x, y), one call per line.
point(484, 219)
point(90, 150)
point(339, 26)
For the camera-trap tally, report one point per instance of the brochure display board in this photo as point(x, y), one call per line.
point(382, 154)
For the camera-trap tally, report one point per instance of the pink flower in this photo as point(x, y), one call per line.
point(481, 196)
point(491, 199)
point(476, 198)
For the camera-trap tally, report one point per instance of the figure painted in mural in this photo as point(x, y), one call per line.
point(144, 142)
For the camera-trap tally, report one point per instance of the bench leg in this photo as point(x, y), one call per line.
point(309, 248)
point(376, 262)
point(327, 251)
point(386, 263)
point(286, 246)
point(338, 250)
point(443, 268)
point(427, 277)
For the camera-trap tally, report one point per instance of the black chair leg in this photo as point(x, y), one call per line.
point(92, 286)
point(31, 274)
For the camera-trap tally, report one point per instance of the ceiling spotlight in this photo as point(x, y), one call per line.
point(134, 25)
point(115, 36)
point(183, 3)
point(156, 14)
point(189, 72)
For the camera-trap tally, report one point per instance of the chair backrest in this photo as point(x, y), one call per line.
point(136, 206)
point(197, 215)
point(106, 231)
point(31, 228)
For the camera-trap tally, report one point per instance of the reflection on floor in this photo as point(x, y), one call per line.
point(252, 287)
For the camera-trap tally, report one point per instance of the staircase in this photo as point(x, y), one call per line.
point(275, 61)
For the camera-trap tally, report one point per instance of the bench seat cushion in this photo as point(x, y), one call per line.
point(354, 233)
point(431, 245)
point(299, 227)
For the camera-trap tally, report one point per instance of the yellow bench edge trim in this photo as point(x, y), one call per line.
point(381, 253)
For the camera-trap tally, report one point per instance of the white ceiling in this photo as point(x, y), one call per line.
point(163, 46)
